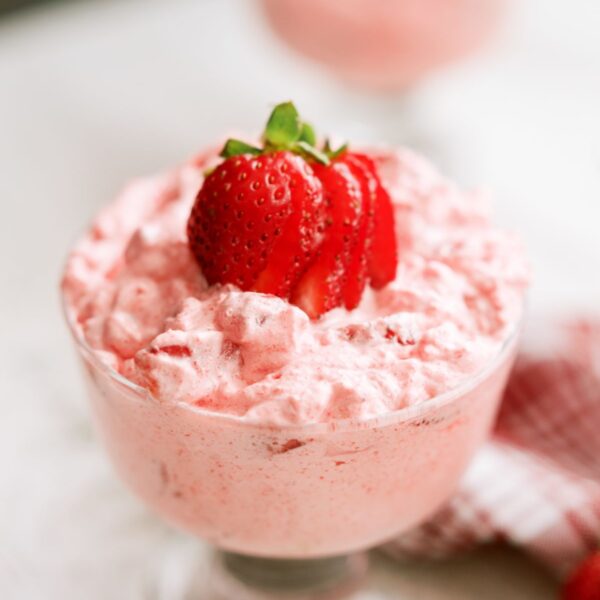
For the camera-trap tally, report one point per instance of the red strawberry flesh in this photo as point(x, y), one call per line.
point(321, 287)
point(306, 224)
point(300, 237)
point(248, 225)
point(383, 255)
point(357, 267)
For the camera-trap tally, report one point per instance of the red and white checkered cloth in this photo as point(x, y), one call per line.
point(536, 484)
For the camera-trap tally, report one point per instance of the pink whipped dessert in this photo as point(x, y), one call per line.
point(384, 44)
point(240, 418)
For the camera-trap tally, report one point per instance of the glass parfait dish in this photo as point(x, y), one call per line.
point(291, 509)
point(379, 51)
point(384, 45)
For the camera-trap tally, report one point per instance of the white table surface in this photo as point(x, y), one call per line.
point(94, 92)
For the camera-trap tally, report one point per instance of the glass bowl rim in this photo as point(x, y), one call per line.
point(400, 415)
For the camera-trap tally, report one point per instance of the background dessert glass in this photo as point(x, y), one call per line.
point(291, 508)
point(383, 48)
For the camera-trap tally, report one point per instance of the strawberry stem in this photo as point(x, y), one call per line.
point(284, 126)
point(331, 153)
point(286, 131)
point(308, 134)
point(306, 148)
point(236, 147)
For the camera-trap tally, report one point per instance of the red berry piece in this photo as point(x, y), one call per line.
point(383, 255)
point(255, 220)
point(302, 234)
point(584, 583)
point(321, 287)
point(309, 225)
point(357, 267)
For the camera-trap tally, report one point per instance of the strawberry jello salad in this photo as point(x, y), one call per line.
point(293, 349)
point(296, 283)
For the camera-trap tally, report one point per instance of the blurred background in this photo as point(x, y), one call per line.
point(93, 92)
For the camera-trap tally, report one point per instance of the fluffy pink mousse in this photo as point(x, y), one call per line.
point(140, 301)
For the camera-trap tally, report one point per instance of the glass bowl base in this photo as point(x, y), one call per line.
point(241, 577)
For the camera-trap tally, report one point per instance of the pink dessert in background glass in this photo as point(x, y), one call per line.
point(241, 420)
point(384, 44)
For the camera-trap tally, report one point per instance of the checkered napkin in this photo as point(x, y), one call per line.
point(536, 484)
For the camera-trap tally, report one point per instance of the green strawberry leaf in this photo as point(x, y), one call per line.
point(311, 151)
point(236, 147)
point(284, 126)
point(331, 153)
point(307, 134)
point(285, 131)
point(335, 153)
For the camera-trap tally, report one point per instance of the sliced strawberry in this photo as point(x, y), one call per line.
point(321, 287)
point(289, 219)
point(255, 221)
point(382, 260)
point(301, 235)
point(357, 266)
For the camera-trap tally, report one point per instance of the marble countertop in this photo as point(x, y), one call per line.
point(95, 92)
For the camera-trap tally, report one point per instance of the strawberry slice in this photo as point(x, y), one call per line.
point(321, 287)
point(306, 224)
point(255, 221)
point(357, 266)
point(300, 236)
point(382, 259)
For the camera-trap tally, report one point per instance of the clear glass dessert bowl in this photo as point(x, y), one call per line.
point(291, 507)
point(383, 44)
point(381, 50)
